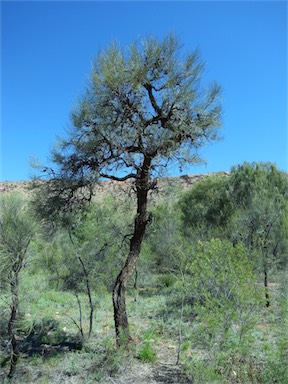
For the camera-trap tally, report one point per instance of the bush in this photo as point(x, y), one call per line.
point(166, 281)
point(276, 352)
point(146, 353)
point(226, 303)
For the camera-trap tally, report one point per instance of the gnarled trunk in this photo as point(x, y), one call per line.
point(119, 291)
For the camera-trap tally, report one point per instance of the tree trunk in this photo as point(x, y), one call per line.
point(119, 291)
point(265, 272)
point(267, 297)
point(14, 283)
point(88, 291)
point(89, 294)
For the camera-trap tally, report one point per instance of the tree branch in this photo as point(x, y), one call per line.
point(155, 106)
point(116, 178)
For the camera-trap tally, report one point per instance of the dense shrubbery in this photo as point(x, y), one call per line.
point(230, 232)
point(199, 281)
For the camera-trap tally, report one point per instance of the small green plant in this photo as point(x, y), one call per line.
point(147, 354)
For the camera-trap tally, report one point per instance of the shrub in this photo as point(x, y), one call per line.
point(146, 353)
point(166, 281)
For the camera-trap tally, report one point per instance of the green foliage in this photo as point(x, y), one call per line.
point(207, 207)
point(200, 371)
point(82, 257)
point(249, 206)
point(228, 347)
point(197, 284)
point(96, 237)
point(47, 331)
point(260, 192)
point(249, 179)
point(166, 281)
point(220, 271)
point(226, 303)
point(162, 237)
point(142, 102)
point(16, 231)
point(223, 285)
point(146, 352)
point(214, 307)
point(142, 110)
point(276, 364)
point(149, 77)
point(276, 352)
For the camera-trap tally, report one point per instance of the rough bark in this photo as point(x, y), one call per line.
point(119, 291)
point(13, 317)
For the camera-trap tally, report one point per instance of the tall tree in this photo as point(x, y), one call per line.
point(144, 107)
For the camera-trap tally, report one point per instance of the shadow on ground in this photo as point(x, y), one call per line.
point(170, 374)
point(44, 339)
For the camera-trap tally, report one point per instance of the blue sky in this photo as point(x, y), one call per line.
point(47, 49)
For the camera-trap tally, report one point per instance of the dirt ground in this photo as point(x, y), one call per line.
point(164, 371)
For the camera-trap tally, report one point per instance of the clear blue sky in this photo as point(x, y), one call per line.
point(47, 49)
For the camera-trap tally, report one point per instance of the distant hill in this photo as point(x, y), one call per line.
point(164, 185)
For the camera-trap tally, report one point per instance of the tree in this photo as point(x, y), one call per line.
point(248, 206)
point(16, 231)
point(207, 208)
point(77, 254)
point(144, 108)
point(260, 193)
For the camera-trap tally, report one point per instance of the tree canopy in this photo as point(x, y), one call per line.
point(145, 101)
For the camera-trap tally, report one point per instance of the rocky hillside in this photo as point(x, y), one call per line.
point(164, 186)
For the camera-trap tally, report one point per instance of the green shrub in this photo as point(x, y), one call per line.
point(276, 367)
point(276, 352)
point(166, 281)
point(146, 353)
point(226, 303)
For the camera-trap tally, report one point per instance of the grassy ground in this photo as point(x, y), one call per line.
point(98, 360)
point(164, 333)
